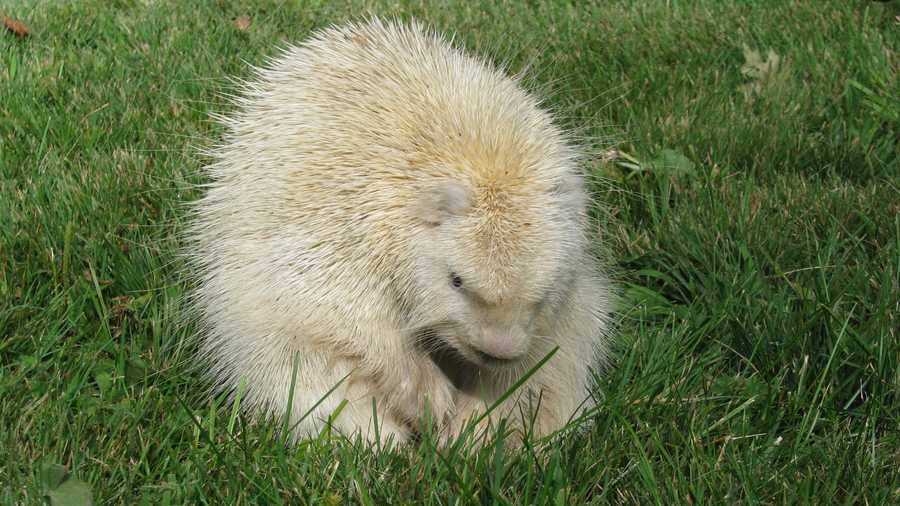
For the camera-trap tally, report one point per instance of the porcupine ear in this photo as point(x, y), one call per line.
point(443, 201)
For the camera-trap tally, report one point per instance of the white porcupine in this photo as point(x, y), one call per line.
point(388, 210)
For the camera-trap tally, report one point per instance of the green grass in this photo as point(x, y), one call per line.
point(753, 226)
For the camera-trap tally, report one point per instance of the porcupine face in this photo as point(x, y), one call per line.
point(494, 263)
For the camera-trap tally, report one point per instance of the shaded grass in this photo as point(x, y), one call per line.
point(758, 355)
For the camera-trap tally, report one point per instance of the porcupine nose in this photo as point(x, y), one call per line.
point(501, 347)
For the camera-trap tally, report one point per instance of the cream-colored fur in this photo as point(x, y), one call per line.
point(364, 174)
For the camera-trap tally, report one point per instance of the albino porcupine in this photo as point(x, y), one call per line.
point(392, 212)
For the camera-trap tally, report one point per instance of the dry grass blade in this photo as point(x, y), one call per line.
point(242, 23)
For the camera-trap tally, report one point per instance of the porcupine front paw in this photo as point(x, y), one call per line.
point(425, 395)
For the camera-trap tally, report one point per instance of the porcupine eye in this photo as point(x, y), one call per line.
point(455, 280)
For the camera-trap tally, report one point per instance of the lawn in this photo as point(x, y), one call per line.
point(745, 158)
